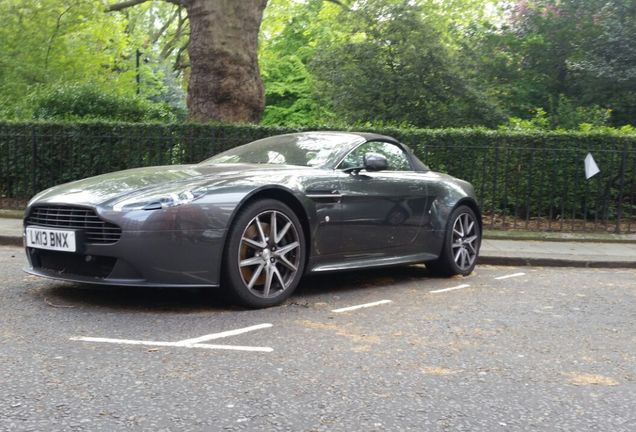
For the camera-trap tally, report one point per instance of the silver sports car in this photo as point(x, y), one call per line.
point(256, 218)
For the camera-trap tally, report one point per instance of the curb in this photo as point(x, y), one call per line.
point(559, 237)
point(11, 214)
point(560, 240)
point(10, 241)
point(553, 262)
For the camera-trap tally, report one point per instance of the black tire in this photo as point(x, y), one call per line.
point(461, 244)
point(260, 271)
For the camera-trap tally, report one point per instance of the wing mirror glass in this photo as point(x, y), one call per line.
point(375, 162)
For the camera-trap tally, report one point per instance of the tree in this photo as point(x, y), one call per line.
point(390, 65)
point(225, 82)
point(289, 34)
point(58, 48)
point(605, 70)
point(574, 59)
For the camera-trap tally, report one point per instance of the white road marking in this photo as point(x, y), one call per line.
point(450, 289)
point(188, 343)
point(171, 344)
point(510, 276)
point(366, 305)
point(224, 334)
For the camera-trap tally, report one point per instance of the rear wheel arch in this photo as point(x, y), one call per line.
point(469, 202)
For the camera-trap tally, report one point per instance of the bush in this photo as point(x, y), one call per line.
point(515, 174)
point(567, 117)
point(78, 102)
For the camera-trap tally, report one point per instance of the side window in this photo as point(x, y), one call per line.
point(398, 161)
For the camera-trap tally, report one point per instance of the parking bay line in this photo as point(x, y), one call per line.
point(450, 289)
point(366, 305)
point(188, 343)
point(510, 276)
point(212, 336)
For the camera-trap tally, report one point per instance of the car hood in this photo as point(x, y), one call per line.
point(102, 189)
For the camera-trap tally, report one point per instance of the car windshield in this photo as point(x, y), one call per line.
point(304, 149)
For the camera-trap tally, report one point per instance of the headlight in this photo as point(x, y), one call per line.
point(158, 201)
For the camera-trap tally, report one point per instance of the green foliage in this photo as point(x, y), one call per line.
point(537, 174)
point(392, 66)
point(568, 116)
point(565, 117)
point(289, 94)
point(538, 122)
point(288, 35)
point(46, 45)
point(375, 63)
point(574, 59)
point(76, 102)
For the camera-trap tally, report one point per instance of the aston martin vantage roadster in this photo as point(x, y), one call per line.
point(254, 219)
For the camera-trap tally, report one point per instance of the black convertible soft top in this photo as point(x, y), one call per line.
point(376, 137)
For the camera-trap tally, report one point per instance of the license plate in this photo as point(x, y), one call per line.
point(52, 239)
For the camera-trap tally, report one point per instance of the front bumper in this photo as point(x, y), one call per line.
point(162, 248)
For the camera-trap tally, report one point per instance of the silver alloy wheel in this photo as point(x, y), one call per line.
point(269, 256)
point(465, 241)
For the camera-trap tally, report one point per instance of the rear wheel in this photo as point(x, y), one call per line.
point(461, 244)
point(265, 254)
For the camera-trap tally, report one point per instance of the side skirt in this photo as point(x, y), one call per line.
point(373, 262)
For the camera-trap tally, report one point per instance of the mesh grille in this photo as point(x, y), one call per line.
point(64, 263)
point(76, 218)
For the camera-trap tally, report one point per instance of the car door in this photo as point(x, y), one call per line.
point(381, 213)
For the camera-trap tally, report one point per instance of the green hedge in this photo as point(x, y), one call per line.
point(77, 102)
point(526, 175)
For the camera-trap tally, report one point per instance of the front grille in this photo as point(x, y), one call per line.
point(65, 263)
point(76, 218)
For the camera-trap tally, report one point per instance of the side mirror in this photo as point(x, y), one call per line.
point(375, 162)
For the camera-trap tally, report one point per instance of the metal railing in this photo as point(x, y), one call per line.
point(544, 188)
point(535, 185)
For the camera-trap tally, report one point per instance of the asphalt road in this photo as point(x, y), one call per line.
point(552, 349)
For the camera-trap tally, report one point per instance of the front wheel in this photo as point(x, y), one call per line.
point(461, 244)
point(265, 254)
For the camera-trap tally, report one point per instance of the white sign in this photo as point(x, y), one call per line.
point(591, 169)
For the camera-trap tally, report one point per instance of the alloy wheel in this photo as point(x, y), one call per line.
point(269, 254)
point(465, 241)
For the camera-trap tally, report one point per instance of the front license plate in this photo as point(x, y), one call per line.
point(52, 239)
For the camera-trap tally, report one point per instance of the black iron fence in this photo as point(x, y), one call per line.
point(524, 181)
point(543, 187)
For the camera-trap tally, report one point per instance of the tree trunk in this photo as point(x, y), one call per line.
point(225, 82)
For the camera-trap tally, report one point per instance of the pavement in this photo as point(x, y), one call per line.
point(500, 247)
point(558, 253)
point(10, 231)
